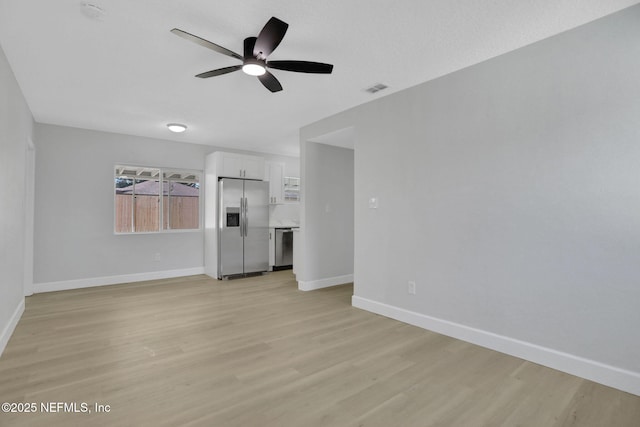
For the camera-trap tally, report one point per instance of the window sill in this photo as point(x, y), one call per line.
point(134, 233)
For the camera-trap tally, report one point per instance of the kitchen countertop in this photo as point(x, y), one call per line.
point(284, 224)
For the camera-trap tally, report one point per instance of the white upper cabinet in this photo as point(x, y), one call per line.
point(233, 165)
point(253, 167)
point(230, 165)
point(274, 173)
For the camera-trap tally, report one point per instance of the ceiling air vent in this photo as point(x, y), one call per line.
point(376, 88)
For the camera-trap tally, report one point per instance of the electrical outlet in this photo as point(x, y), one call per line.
point(411, 287)
point(157, 256)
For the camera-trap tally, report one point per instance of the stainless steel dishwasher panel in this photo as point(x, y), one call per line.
point(284, 247)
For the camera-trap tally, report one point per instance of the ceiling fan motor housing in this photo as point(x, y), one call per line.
point(252, 64)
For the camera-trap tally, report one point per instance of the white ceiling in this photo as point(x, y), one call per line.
point(127, 73)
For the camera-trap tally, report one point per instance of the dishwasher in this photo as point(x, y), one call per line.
point(283, 249)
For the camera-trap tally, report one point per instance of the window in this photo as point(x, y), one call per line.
point(147, 197)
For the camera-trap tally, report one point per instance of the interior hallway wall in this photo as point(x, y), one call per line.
point(327, 227)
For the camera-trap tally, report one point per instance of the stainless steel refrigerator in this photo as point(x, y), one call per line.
point(243, 227)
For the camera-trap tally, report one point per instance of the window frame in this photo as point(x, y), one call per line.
point(165, 176)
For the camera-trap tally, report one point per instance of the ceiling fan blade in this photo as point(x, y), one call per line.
point(270, 37)
point(270, 82)
point(301, 66)
point(219, 71)
point(206, 43)
point(249, 44)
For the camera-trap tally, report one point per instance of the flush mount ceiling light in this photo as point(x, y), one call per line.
point(92, 11)
point(177, 127)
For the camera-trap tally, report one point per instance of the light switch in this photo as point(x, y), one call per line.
point(373, 203)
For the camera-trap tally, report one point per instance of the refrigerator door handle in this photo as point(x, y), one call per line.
point(241, 216)
point(246, 217)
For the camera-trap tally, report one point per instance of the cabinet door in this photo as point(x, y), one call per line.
point(253, 167)
point(276, 183)
point(232, 166)
point(272, 251)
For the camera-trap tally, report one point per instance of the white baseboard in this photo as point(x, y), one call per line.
point(312, 285)
point(114, 280)
point(611, 376)
point(11, 326)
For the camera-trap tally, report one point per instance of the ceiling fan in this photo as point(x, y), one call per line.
point(256, 51)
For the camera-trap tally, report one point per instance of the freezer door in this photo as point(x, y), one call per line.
point(230, 250)
point(256, 241)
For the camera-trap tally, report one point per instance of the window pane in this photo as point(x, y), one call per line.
point(124, 205)
point(165, 205)
point(182, 205)
point(146, 209)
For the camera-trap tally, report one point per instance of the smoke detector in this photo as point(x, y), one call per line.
point(92, 11)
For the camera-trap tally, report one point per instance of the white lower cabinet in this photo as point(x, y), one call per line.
point(272, 248)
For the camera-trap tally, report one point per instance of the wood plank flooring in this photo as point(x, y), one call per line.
point(257, 352)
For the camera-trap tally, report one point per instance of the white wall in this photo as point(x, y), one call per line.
point(291, 164)
point(75, 244)
point(16, 127)
point(509, 191)
point(326, 216)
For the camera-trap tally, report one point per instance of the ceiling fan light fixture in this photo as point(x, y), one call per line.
point(253, 69)
point(254, 66)
point(177, 127)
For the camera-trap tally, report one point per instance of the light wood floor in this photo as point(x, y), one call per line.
point(257, 352)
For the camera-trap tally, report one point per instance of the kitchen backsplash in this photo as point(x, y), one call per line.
point(287, 214)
